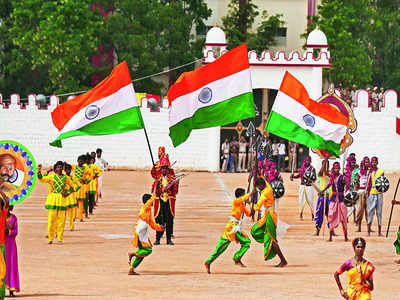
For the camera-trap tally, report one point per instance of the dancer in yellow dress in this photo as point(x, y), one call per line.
point(81, 174)
point(71, 199)
point(359, 274)
point(56, 203)
point(96, 172)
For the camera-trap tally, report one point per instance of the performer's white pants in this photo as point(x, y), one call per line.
point(308, 193)
point(100, 185)
point(351, 210)
point(375, 202)
point(242, 161)
point(276, 206)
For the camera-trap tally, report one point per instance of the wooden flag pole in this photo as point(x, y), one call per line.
point(391, 210)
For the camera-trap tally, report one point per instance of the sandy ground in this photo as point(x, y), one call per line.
point(92, 262)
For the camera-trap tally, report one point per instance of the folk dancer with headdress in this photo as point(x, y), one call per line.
point(375, 198)
point(166, 188)
point(361, 182)
point(359, 274)
point(56, 201)
point(322, 208)
point(233, 231)
point(306, 188)
point(141, 238)
point(264, 231)
point(351, 170)
point(82, 174)
point(271, 173)
point(4, 205)
point(337, 209)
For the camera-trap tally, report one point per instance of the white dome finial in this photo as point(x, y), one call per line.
point(215, 37)
point(317, 39)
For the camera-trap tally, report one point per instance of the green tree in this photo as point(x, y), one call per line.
point(154, 36)
point(59, 38)
point(239, 21)
point(385, 36)
point(346, 25)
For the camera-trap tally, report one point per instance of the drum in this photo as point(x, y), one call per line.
point(350, 198)
point(278, 188)
point(309, 177)
point(382, 184)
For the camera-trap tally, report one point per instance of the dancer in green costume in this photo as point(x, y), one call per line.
point(233, 231)
point(397, 242)
point(264, 231)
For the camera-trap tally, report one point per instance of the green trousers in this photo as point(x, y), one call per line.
point(3, 287)
point(266, 234)
point(223, 244)
point(140, 254)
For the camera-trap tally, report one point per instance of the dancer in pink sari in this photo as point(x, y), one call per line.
point(12, 275)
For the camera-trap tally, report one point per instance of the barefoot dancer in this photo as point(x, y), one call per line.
point(375, 198)
point(359, 274)
point(306, 188)
point(361, 183)
point(264, 231)
point(233, 231)
point(337, 209)
point(323, 201)
point(141, 236)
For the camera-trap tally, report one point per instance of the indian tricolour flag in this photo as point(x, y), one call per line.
point(110, 107)
point(217, 94)
point(298, 118)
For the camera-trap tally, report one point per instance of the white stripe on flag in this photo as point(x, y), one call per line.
point(295, 111)
point(223, 89)
point(121, 100)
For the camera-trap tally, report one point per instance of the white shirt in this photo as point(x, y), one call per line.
point(101, 163)
point(274, 149)
point(225, 148)
point(281, 149)
point(242, 147)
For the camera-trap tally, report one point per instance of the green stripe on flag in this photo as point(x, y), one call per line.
point(232, 110)
point(285, 128)
point(124, 121)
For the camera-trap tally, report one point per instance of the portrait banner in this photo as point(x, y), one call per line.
point(18, 171)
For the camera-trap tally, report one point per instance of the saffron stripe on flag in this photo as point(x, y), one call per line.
point(295, 90)
point(233, 61)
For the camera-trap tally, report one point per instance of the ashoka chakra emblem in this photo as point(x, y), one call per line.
point(309, 120)
point(205, 95)
point(92, 111)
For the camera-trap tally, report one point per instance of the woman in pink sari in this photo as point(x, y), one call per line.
point(12, 275)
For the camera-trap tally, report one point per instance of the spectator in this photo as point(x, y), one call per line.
point(292, 156)
point(275, 151)
point(242, 154)
point(380, 98)
point(281, 154)
point(353, 94)
point(234, 150)
point(374, 99)
point(225, 155)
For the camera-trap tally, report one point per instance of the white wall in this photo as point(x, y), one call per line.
point(34, 129)
point(376, 132)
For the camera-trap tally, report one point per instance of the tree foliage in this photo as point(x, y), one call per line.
point(238, 24)
point(59, 38)
point(364, 37)
point(153, 36)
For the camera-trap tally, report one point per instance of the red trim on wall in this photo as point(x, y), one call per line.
point(398, 126)
point(317, 46)
point(215, 44)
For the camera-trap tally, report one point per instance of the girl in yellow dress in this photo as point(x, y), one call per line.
point(359, 274)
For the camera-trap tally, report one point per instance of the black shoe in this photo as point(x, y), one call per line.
point(157, 242)
point(169, 242)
